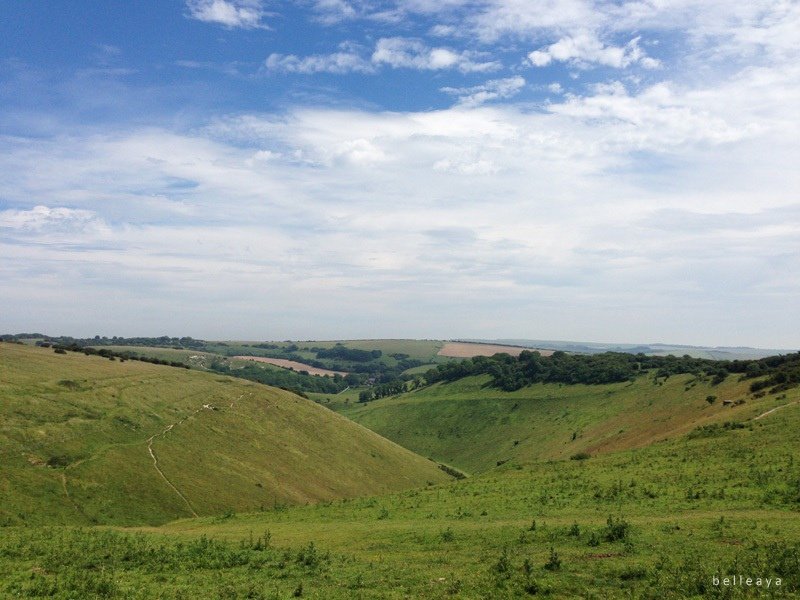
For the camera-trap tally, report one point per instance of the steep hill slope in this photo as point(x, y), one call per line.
point(474, 427)
point(87, 440)
point(658, 522)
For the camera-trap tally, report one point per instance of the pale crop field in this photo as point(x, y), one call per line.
point(294, 365)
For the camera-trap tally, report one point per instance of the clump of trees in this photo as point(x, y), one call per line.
point(512, 373)
point(782, 373)
point(112, 355)
point(293, 381)
point(390, 388)
point(340, 352)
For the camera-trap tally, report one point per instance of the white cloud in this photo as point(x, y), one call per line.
point(657, 119)
point(246, 14)
point(585, 48)
point(673, 202)
point(410, 53)
point(345, 61)
point(394, 52)
point(334, 11)
point(52, 220)
point(494, 89)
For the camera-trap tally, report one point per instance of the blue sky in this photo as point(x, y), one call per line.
point(576, 169)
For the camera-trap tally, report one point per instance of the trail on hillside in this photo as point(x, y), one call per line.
point(161, 473)
point(169, 428)
point(78, 509)
point(152, 453)
point(772, 410)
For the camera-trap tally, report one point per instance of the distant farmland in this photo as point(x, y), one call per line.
point(469, 349)
point(294, 365)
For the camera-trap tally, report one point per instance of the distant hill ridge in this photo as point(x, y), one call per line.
point(711, 352)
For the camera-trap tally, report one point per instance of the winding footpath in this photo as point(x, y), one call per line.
point(772, 410)
point(153, 455)
point(169, 428)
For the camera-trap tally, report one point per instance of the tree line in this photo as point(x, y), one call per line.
point(511, 373)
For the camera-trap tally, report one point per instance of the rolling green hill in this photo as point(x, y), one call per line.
point(657, 522)
point(648, 488)
point(87, 440)
point(474, 427)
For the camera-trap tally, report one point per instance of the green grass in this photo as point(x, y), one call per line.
point(682, 511)
point(334, 401)
point(193, 358)
point(670, 497)
point(75, 430)
point(473, 427)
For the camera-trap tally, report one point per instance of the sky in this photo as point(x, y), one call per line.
point(594, 170)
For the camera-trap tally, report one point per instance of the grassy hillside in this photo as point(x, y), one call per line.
point(87, 440)
point(655, 522)
point(473, 427)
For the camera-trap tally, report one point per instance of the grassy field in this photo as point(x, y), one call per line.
point(473, 427)
point(659, 493)
point(654, 522)
point(80, 436)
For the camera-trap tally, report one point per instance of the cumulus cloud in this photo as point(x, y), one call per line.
point(334, 11)
point(410, 53)
point(662, 209)
point(52, 220)
point(493, 89)
point(345, 61)
point(398, 53)
point(586, 48)
point(657, 118)
point(246, 14)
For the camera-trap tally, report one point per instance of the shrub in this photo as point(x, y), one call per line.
point(58, 461)
point(616, 529)
point(553, 562)
point(503, 565)
point(580, 456)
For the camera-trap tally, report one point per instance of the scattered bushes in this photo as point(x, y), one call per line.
point(616, 529)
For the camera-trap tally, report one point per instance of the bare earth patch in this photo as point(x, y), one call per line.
point(468, 350)
point(294, 365)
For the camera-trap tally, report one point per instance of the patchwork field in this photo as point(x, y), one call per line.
point(293, 365)
point(470, 349)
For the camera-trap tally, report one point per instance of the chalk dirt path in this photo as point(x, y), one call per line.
point(169, 428)
point(152, 453)
point(772, 410)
